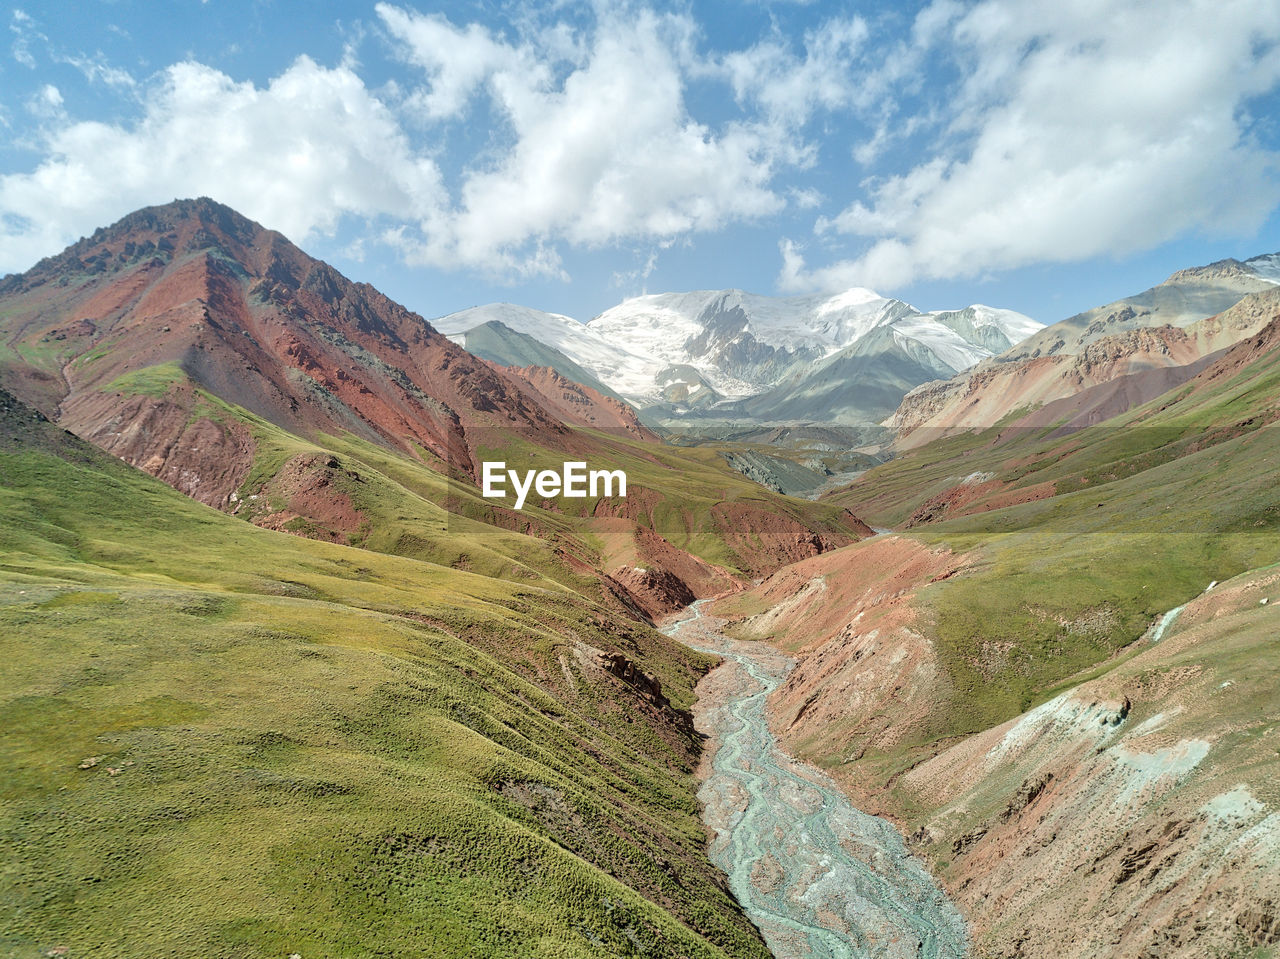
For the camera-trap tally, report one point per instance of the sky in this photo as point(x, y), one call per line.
point(1037, 156)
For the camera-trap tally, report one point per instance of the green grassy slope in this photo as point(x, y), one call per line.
point(1139, 514)
point(225, 741)
point(410, 507)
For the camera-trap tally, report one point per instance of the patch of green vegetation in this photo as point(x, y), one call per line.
point(148, 381)
point(81, 597)
point(221, 740)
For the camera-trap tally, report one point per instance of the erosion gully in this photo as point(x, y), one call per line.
point(819, 878)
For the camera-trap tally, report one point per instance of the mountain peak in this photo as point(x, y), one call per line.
point(179, 217)
point(722, 346)
point(1218, 269)
point(214, 301)
point(161, 234)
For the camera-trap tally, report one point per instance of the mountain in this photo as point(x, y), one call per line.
point(195, 294)
point(216, 355)
point(577, 403)
point(1185, 297)
point(615, 367)
point(499, 344)
point(864, 382)
point(1059, 675)
point(724, 356)
point(1142, 345)
point(219, 740)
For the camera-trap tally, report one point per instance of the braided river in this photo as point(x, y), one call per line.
point(820, 879)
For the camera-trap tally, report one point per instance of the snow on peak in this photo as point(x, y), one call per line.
point(663, 322)
point(1267, 266)
point(1014, 325)
point(628, 373)
point(944, 343)
point(740, 344)
point(856, 296)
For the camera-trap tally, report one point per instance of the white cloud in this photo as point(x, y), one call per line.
point(296, 155)
point(601, 146)
point(24, 32)
point(47, 102)
point(456, 61)
point(1040, 134)
point(788, 87)
point(96, 69)
point(805, 199)
point(1083, 129)
point(590, 141)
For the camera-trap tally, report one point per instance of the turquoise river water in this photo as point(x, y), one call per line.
point(821, 879)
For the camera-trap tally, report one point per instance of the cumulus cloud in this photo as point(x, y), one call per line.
point(456, 60)
point(1021, 134)
point(1083, 129)
point(311, 146)
point(789, 86)
point(570, 130)
point(600, 145)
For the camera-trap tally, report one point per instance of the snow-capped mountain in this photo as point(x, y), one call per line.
point(812, 358)
point(990, 328)
point(1266, 266)
point(625, 372)
point(739, 344)
point(704, 354)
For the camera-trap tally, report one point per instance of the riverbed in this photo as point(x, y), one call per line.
point(820, 879)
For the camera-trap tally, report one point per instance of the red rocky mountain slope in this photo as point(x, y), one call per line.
point(239, 311)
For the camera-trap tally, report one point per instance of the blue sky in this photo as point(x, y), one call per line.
point(567, 155)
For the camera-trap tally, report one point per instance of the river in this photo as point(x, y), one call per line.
point(819, 878)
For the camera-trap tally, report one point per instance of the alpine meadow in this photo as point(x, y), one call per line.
point(646, 479)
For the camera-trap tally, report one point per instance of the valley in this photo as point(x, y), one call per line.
point(818, 877)
point(875, 656)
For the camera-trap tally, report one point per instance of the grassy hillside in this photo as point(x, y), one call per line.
point(224, 741)
point(1106, 529)
point(384, 500)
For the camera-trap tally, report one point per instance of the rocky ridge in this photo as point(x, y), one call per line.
point(1145, 345)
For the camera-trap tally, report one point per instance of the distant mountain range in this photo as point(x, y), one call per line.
point(715, 358)
point(725, 356)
